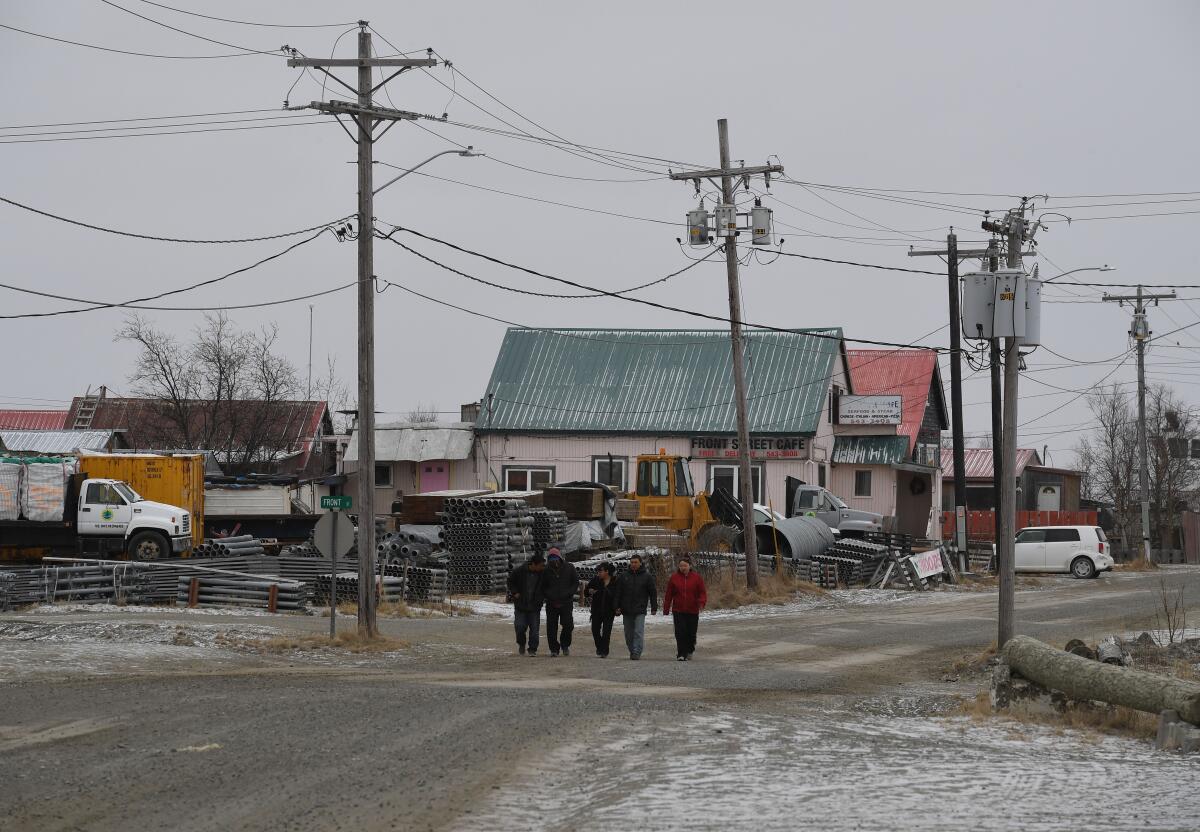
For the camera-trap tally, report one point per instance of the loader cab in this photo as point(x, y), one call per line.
point(664, 491)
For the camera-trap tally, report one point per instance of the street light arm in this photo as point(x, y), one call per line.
point(468, 152)
point(1104, 268)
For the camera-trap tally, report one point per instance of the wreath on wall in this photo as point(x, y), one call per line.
point(917, 486)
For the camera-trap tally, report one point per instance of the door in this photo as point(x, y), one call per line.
point(1030, 550)
point(1049, 498)
point(435, 476)
point(1061, 548)
point(103, 511)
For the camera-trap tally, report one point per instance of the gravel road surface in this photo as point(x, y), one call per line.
point(835, 713)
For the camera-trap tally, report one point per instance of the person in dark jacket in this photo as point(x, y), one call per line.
point(687, 595)
point(560, 584)
point(601, 594)
point(635, 591)
point(525, 586)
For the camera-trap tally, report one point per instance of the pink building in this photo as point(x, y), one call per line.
point(580, 404)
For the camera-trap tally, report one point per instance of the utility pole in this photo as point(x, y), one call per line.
point(367, 117)
point(1006, 555)
point(1139, 330)
point(727, 228)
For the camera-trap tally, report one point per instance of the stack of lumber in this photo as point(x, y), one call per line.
point(578, 503)
point(423, 509)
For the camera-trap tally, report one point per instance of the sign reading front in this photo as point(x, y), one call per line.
point(869, 410)
point(761, 447)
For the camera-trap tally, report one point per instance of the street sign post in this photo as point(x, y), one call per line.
point(333, 539)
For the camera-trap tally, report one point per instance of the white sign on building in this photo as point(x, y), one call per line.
point(869, 410)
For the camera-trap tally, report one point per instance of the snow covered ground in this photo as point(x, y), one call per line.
point(841, 770)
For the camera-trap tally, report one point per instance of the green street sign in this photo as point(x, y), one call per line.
point(337, 502)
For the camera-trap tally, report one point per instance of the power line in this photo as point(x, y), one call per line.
point(169, 132)
point(250, 23)
point(1125, 217)
point(643, 301)
point(227, 308)
point(860, 265)
point(186, 32)
point(277, 117)
point(202, 283)
point(125, 51)
point(136, 235)
point(141, 118)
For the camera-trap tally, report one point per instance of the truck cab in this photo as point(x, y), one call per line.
point(814, 501)
point(110, 509)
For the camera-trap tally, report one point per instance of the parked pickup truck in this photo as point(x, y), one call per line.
point(106, 516)
point(814, 501)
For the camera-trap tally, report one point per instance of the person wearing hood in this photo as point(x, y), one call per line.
point(635, 591)
point(560, 587)
point(687, 595)
point(526, 587)
point(601, 594)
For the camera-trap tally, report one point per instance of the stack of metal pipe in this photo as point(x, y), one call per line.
point(549, 528)
point(93, 583)
point(345, 584)
point(223, 547)
point(421, 583)
point(485, 538)
point(234, 590)
point(400, 545)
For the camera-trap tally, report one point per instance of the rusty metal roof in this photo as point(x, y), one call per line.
point(658, 381)
point(32, 419)
point(979, 462)
point(869, 450)
point(911, 374)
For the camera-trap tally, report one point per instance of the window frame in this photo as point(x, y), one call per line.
point(623, 486)
point(1031, 529)
point(870, 483)
point(528, 469)
point(391, 474)
point(1060, 533)
point(757, 473)
point(645, 486)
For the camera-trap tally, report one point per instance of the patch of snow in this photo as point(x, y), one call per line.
point(136, 609)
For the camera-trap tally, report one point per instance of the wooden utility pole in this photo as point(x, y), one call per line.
point(1006, 555)
point(1139, 330)
point(367, 117)
point(726, 228)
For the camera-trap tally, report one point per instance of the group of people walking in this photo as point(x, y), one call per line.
point(552, 582)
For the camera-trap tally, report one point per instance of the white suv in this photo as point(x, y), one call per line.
point(1080, 550)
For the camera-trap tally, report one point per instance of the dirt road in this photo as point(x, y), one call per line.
point(817, 712)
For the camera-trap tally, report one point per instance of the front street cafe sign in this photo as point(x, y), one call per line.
point(761, 447)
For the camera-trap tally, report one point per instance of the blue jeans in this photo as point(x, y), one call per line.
point(635, 632)
point(530, 622)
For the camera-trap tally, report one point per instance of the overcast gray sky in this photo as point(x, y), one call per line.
point(1064, 98)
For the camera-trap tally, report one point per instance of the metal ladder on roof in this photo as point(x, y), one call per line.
point(87, 409)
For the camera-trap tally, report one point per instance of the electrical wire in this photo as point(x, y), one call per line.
point(860, 265)
point(147, 298)
point(167, 132)
point(250, 23)
point(82, 224)
point(187, 33)
point(140, 118)
point(277, 117)
point(101, 305)
point(126, 51)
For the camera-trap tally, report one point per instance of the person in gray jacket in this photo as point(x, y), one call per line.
point(560, 585)
point(635, 591)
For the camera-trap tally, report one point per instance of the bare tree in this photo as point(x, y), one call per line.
point(422, 414)
point(225, 390)
point(1173, 476)
point(330, 389)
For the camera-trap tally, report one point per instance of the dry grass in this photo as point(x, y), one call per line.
point(402, 609)
point(727, 592)
point(1081, 716)
point(975, 662)
point(1138, 565)
point(351, 641)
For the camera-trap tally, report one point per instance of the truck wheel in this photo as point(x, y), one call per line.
point(148, 546)
point(718, 538)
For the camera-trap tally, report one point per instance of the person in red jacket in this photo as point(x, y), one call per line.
point(686, 595)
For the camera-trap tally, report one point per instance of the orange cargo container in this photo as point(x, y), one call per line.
point(175, 480)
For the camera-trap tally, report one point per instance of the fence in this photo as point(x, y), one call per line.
point(981, 525)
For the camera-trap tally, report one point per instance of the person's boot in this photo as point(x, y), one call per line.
point(520, 649)
point(566, 651)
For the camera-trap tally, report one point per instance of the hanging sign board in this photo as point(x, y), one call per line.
point(761, 447)
point(869, 410)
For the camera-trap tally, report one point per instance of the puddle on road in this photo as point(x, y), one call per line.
point(838, 771)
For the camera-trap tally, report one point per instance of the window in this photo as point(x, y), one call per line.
point(103, 494)
point(862, 483)
point(652, 479)
point(1062, 535)
point(1100, 535)
point(683, 479)
point(1032, 536)
point(808, 500)
point(383, 475)
point(821, 476)
point(726, 476)
point(527, 479)
point(609, 470)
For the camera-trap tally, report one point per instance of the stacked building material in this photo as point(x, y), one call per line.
point(390, 589)
point(88, 583)
point(549, 528)
point(425, 508)
point(421, 583)
point(302, 550)
point(847, 562)
point(8, 581)
point(223, 547)
point(656, 537)
point(233, 590)
point(484, 538)
point(628, 510)
point(578, 503)
point(401, 545)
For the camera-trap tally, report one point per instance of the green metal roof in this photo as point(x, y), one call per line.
point(658, 381)
point(870, 450)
